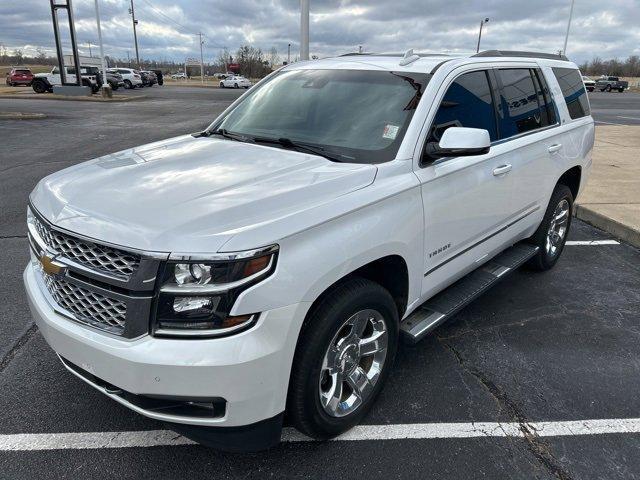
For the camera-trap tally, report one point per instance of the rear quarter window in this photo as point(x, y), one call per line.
point(573, 91)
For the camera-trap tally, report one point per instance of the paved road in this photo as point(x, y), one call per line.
point(557, 346)
point(615, 108)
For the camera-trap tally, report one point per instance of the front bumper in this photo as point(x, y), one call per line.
point(249, 371)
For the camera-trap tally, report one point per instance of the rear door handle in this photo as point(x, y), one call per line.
point(501, 170)
point(554, 148)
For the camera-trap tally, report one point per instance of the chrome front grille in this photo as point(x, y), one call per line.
point(91, 255)
point(88, 307)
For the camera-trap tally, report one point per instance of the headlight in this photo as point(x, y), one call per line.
point(197, 294)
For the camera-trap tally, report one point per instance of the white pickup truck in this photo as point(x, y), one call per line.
point(44, 82)
point(273, 261)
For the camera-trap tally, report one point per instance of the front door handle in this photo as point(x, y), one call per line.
point(554, 148)
point(501, 170)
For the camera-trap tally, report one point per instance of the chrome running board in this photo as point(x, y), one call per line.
point(447, 303)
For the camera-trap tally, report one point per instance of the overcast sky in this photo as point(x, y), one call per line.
point(167, 28)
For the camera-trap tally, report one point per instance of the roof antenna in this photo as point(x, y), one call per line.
point(409, 57)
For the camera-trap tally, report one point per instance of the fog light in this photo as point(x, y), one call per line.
point(195, 305)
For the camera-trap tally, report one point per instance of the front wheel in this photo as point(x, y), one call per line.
point(221, 85)
point(128, 85)
point(343, 357)
point(551, 235)
point(39, 86)
point(621, 90)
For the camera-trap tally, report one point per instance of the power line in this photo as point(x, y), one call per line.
point(185, 30)
point(164, 15)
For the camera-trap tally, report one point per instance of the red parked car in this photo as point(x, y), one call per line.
point(19, 76)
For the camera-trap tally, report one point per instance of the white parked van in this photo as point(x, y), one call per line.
point(273, 261)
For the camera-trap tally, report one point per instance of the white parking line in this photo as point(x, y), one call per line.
point(592, 242)
point(412, 431)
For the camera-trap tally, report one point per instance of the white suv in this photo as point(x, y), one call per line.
point(274, 260)
point(131, 77)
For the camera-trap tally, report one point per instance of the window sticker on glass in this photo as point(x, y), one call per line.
point(390, 131)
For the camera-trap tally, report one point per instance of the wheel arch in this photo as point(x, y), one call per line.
point(571, 179)
point(391, 272)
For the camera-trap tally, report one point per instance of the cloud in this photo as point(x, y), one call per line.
point(167, 29)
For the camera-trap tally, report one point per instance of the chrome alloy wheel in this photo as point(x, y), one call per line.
point(353, 362)
point(557, 228)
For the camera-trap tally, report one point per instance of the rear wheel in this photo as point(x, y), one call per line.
point(621, 90)
point(235, 85)
point(221, 85)
point(344, 355)
point(128, 84)
point(551, 235)
point(608, 88)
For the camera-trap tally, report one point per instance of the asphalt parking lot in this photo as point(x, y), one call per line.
point(615, 108)
point(556, 347)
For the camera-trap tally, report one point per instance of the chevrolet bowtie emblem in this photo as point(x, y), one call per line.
point(50, 267)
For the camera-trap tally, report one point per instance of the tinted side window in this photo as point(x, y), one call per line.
point(547, 108)
point(519, 110)
point(573, 91)
point(467, 103)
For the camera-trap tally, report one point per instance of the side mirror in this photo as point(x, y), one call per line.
point(460, 142)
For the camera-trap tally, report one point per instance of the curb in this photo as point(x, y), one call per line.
point(619, 230)
point(71, 99)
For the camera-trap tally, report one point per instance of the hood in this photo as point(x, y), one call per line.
point(190, 194)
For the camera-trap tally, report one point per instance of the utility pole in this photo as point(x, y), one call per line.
point(201, 58)
point(90, 49)
point(289, 55)
point(304, 29)
point(360, 49)
point(135, 35)
point(566, 37)
point(482, 22)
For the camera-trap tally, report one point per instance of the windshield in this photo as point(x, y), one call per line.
point(353, 115)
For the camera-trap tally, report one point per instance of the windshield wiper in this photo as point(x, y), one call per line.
point(300, 147)
point(223, 133)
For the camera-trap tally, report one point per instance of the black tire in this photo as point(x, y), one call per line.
point(221, 85)
point(128, 85)
point(602, 89)
point(115, 87)
point(607, 88)
point(621, 90)
point(547, 257)
point(235, 85)
point(320, 329)
point(39, 86)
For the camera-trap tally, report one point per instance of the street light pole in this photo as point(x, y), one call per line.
point(135, 35)
point(304, 29)
point(106, 90)
point(289, 55)
point(482, 22)
point(566, 37)
point(201, 58)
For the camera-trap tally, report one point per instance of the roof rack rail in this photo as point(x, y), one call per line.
point(518, 53)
